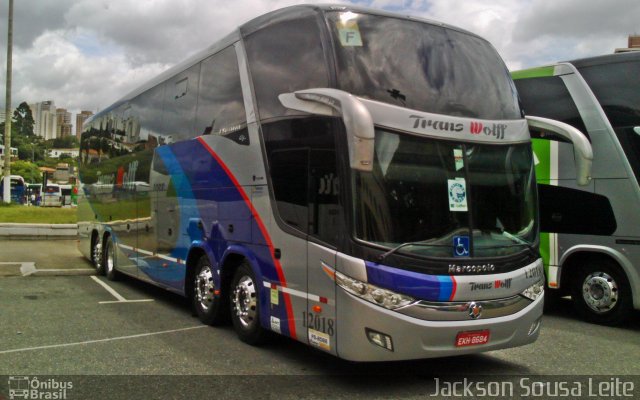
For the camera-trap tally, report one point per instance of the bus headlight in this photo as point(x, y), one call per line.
point(534, 291)
point(382, 297)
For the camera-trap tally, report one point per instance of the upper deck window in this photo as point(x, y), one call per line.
point(421, 66)
point(284, 57)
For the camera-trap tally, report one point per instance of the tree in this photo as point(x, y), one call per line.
point(23, 120)
point(29, 171)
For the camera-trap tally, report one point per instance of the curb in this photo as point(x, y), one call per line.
point(54, 231)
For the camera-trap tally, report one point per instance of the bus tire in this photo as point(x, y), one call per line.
point(245, 306)
point(206, 303)
point(601, 292)
point(109, 260)
point(96, 255)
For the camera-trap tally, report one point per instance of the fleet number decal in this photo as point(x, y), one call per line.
point(321, 324)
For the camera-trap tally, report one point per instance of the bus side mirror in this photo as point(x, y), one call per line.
point(581, 146)
point(356, 117)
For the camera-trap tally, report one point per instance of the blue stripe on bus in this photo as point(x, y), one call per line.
point(418, 285)
point(219, 203)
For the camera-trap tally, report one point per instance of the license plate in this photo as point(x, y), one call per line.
point(472, 338)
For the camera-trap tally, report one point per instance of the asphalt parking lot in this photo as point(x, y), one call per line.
point(82, 325)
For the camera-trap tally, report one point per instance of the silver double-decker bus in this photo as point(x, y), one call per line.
point(359, 181)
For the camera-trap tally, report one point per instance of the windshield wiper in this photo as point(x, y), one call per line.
point(384, 255)
point(527, 245)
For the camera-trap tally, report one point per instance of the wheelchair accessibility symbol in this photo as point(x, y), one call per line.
point(461, 246)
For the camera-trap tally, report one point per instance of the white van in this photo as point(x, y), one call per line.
point(52, 195)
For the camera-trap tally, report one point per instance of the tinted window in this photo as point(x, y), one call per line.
point(617, 88)
point(220, 102)
point(564, 210)
point(548, 97)
point(302, 162)
point(421, 66)
point(180, 98)
point(144, 118)
point(285, 57)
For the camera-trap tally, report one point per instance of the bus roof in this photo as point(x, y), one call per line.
point(548, 70)
point(252, 26)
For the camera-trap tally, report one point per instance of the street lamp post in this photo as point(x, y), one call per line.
point(7, 107)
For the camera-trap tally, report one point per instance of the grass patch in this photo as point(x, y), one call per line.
point(16, 213)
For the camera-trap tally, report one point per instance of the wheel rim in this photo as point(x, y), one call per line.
point(97, 254)
point(244, 300)
point(600, 292)
point(205, 287)
point(110, 258)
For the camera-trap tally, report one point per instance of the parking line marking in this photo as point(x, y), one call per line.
point(109, 289)
point(53, 346)
point(126, 301)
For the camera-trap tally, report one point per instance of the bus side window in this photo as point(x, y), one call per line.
point(306, 185)
point(548, 97)
point(220, 102)
point(284, 57)
point(180, 97)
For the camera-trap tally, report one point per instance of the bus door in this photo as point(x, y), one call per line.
point(324, 222)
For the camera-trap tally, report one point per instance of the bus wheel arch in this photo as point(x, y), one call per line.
point(599, 287)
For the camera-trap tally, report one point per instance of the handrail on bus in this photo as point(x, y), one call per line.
point(581, 145)
point(357, 119)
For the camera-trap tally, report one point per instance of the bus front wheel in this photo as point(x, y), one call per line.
point(245, 306)
point(601, 293)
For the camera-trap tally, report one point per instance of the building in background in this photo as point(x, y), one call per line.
point(45, 119)
point(64, 127)
point(80, 118)
point(633, 45)
point(57, 153)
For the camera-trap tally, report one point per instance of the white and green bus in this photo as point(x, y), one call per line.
point(591, 239)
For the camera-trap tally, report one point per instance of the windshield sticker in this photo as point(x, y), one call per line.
point(461, 246)
point(349, 33)
point(457, 194)
point(457, 156)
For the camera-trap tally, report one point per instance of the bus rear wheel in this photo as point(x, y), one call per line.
point(207, 301)
point(109, 260)
point(245, 306)
point(96, 255)
point(601, 293)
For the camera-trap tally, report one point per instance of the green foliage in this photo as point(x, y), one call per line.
point(68, 142)
point(23, 120)
point(29, 171)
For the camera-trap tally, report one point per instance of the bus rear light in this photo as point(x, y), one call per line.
point(382, 297)
point(379, 339)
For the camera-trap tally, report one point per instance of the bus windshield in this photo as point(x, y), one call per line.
point(437, 194)
point(421, 66)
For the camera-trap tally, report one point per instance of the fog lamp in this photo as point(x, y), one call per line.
point(379, 339)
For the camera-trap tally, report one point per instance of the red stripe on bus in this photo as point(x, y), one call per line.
point(263, 229)
point(454, 288)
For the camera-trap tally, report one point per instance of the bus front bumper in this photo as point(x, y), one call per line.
point(367, 332)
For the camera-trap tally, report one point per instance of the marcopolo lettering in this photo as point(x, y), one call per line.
point(470, 269)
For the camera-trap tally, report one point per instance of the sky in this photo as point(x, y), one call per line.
point(86, 54)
